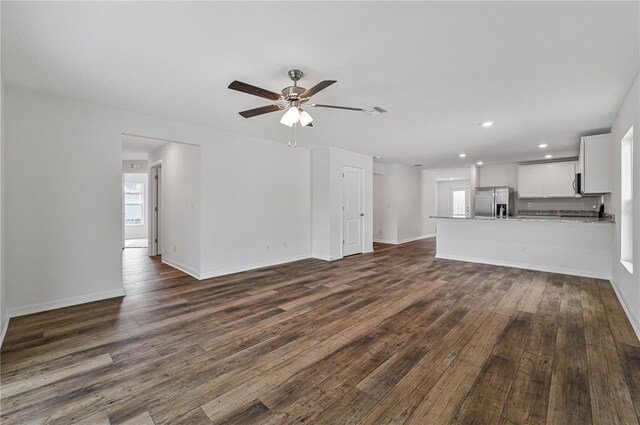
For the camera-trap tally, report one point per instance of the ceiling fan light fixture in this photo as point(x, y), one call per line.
point(284, 120)
point(305, 118)
point(292, 115)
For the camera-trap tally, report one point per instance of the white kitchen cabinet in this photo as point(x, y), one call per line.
point(532, 181)
point(548, 180)
point(595, 164)
point(561, 180)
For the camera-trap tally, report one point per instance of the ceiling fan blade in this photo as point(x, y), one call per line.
point(259, 111)
point(256, 91)
point(348, 108)
point(320, 86)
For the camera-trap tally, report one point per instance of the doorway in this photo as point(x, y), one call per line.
point(155, 211)
point(352, 211)
point(458, 202)
point(135, 204)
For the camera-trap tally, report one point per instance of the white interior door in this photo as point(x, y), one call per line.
point(352, 211)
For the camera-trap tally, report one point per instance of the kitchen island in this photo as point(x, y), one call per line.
point(578, 246)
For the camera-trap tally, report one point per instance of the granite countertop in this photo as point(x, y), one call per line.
point(542, 218)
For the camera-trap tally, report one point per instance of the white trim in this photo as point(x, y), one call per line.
point(415, 238)
point(64, 302)
point(635, 322)
point(387, 241)
point(181, 267)
point(3, 330)
point(232, 270)
point(535, 267)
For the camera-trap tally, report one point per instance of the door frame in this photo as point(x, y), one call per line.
point(362, 217)
point(155, 198)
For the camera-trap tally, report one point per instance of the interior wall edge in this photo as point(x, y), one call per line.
point(64, 302)
point(535, 267)
point(185, 269)
point(223, 272)
point(3, 330)
point(635, 321)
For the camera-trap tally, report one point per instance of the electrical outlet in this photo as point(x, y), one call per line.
point(379, 231)
point(268, 247)
point(284, 245)
point(174, 247)
point(528, 204)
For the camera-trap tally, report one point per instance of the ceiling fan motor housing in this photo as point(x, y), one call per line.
point(292, 92)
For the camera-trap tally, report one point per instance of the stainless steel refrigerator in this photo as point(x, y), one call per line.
point(493, 201)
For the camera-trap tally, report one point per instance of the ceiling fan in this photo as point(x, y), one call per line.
point(293, 98)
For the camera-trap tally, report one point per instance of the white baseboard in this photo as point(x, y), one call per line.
point(260, 265)
point(417, 238)
point(181, 267)
point(401, 241)
point(535, 267)
point(65, 302)
point(387, 241)
point(635, 322)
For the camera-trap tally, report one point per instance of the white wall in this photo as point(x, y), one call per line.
point(338, 159)
point(139, 232)
point(581, 249)
point(128, 163)
point(4, 319)
point(498, 175)
point(429, 202)
point(70, 144)
point(385, 210)
point(180, 205)
point(255, 193)
point(627, 285)
point(398, 203)
point(320, 204)
point(443, 194)
point(328, 183)
point(62, 181)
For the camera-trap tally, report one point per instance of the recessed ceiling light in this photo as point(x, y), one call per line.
point(462, 155)
point(548, 156)
point(486, 124)
point(542, 145)
point(377, 157)
point(417, 165)
point(479, 162)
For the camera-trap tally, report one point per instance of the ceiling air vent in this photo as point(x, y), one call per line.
point(375, 110)
point(136, 165)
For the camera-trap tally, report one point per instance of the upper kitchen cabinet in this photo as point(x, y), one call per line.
point(532, 181)
point(549, 180)
point(595, 165)
point(561, 180)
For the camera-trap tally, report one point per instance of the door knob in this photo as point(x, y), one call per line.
point(361, 214)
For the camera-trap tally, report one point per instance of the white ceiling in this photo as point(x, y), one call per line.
point(137, 148)
point(543, 71)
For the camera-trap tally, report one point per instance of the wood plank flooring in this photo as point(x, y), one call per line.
point(392, 337)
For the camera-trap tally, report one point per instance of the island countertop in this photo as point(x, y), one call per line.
point(539, 218)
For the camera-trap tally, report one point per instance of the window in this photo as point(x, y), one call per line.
point(626, 201)
point(133, 207)
point(458, 203)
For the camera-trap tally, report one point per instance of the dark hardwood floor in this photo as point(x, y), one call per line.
point(393, 337)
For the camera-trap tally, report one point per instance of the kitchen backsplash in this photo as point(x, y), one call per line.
point(587, 203)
